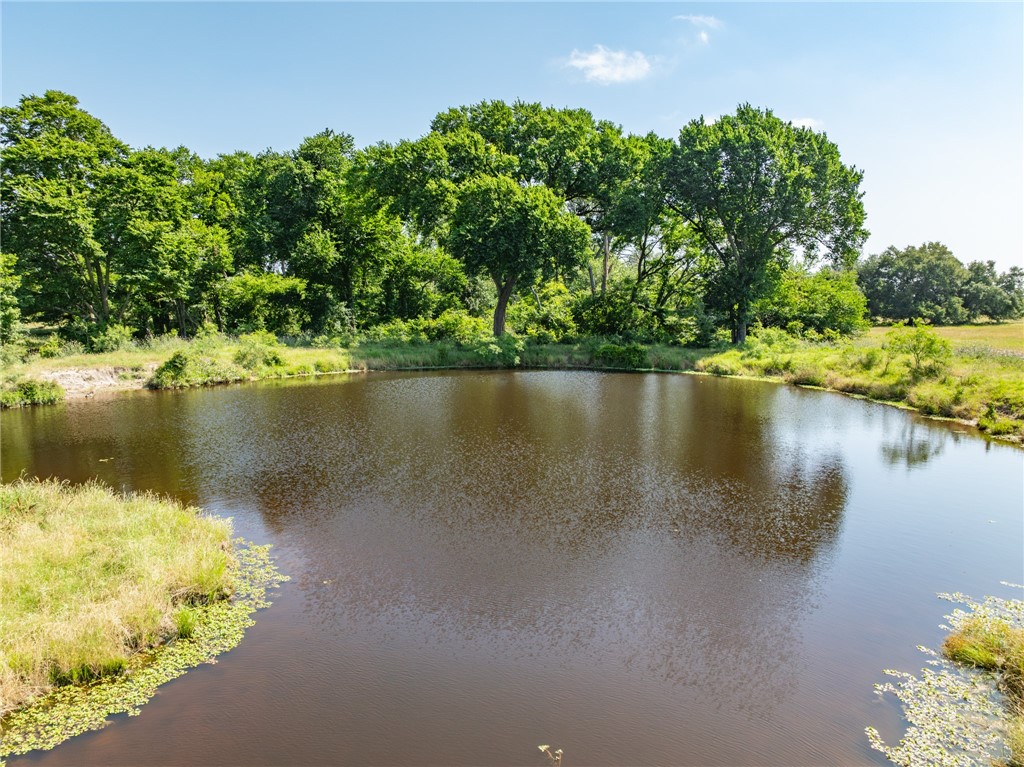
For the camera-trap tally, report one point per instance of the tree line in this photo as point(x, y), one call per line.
point(543, 220)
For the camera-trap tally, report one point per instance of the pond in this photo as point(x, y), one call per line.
point(635, 568)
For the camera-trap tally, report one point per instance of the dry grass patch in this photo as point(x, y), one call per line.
point(89, 578)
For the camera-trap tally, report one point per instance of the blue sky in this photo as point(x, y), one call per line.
point(926, 98)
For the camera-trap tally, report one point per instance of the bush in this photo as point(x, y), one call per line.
point(719, 366)
point(32, 392)
point(12, 353)
point(258, 350)
point(762, 341)
point(544, 316)
point(631, 356)
point(394, 333)
point(502, 351)
point(928, 352)
point(112, 338)
point(615, 313)
point(458, 326)
point(827, 301)
point(189, 367)
point(55, 346)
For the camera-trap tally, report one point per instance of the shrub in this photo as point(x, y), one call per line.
point(32, 392)
point(458, 326)
point(719, 366)
point(631, 356)
point(258, 350)
point(394, 333)
point(544, 316)
point(55, 346)
point(112, 338)
point(615, 313)
point(12, 353)
point(502, 351)
point(765, 340)
point(928, 352)
point(805, 303)
point(807, 376)
point(189, 367)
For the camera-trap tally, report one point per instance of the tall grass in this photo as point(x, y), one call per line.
point(88, 578)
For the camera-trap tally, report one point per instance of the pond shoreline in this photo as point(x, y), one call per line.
point(86, 382)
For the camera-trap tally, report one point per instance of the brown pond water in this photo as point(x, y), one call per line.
point(638, 569)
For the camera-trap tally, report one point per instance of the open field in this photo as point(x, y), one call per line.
point(1006, 335)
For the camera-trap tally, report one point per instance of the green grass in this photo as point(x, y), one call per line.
point(995, 645)
point(89, 578)
point(1007, 336)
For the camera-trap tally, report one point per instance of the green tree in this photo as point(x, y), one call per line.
point(514, 234)
point(919, 281)
point(821, 301)
point(668, 266)
point(758, 190)
point(10, 312)
point(55, 159)
point(581, 160)
point(263, 301)
point(986, 293)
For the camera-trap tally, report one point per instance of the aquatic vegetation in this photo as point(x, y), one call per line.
point(957, 717)
point(217, 627)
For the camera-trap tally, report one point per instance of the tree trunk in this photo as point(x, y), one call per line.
point(607, 252)
point(217, 313)
point(593, 284)
point(739, 331)
point(740, 319)
point(179, 309)
point(504, 293)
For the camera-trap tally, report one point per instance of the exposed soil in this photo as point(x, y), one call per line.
point(85, 382)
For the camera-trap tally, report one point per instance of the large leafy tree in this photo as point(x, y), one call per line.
point(10, 313)
point(759, 190)
point(56, 159)
point(666, 261)
point(104, 234)
point(917, 281)
point(928, 281)
point(548, 165)
point(582, 160)
point(515, 234)
point(993, 295)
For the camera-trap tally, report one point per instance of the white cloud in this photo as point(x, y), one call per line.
point(808, 122)
point(703, 37)
point(700, 21)
point(606, 66)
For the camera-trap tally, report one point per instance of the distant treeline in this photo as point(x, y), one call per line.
point(544, 221)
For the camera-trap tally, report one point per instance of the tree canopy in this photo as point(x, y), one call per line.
point(927, 281)
point(758, 191)
point(552, 222)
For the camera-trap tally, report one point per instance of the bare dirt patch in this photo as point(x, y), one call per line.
point(86, 382)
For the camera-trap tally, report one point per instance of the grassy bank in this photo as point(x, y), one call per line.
point(971, 373)
point(89, 579)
